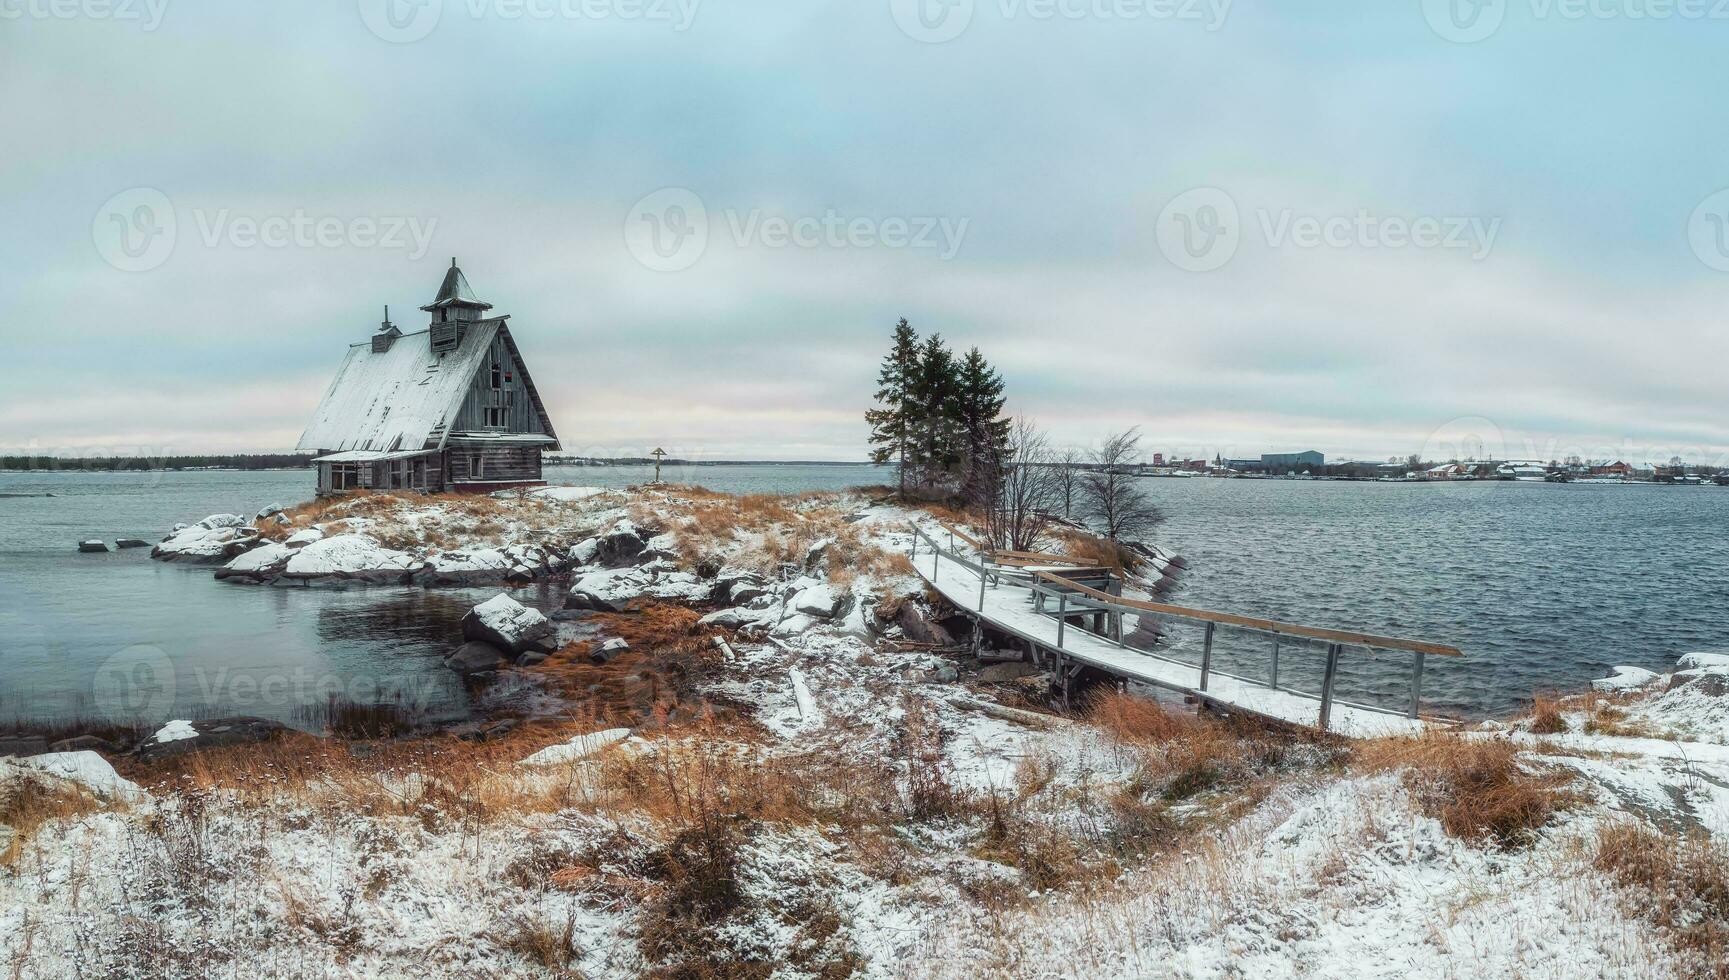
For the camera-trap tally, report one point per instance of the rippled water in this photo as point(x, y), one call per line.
point(1543, 586)
point(76, 629)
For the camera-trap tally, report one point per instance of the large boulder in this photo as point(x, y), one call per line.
point(180, 737)
point(125, 543)
point(475, 657)
point(218, 537)
point(474, 566)
point(84, 769)
point(606, 591)
point(346, 559)
point(261, 564)
point(303, 537)
point(508, 625)
point(820, 600)
point(91, 547)
point(621, 545)
point(920, 627)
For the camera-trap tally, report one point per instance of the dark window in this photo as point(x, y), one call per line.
point(497, 378)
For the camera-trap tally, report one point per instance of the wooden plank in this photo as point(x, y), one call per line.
point(1249, 622)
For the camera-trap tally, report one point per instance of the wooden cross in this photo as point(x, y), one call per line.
point(657, 454)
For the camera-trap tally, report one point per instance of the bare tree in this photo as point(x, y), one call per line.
point(1109, 495)
point(1021, 491)
point(1067, 466)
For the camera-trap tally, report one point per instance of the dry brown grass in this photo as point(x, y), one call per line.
point(1680, 884)
point(30, 802)
point(1094, 550)
point(1546, 716)
point(1477, 788)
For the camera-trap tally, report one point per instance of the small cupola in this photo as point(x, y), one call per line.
point(452, 310)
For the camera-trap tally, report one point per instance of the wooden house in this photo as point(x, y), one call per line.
point(451, 407)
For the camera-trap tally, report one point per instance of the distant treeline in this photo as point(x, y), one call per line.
point(674, 461)
point(233, 461)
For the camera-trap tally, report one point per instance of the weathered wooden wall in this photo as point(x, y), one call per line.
point(519, 414)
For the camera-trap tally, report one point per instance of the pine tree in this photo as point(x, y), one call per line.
point(936, 424)
point(984, 432)
point(892, 425)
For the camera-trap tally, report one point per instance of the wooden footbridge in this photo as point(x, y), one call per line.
point(1071, 617)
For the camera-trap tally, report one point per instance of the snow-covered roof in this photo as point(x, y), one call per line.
point(370, 456)
point(455, 291)
point(385, 401)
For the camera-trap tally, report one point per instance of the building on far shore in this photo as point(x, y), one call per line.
point(451, 407)
point(1274, 462)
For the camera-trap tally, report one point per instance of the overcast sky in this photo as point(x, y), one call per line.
point(1371, 228)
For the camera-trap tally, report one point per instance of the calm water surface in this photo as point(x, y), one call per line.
point(1543, 586)
point(78, 631)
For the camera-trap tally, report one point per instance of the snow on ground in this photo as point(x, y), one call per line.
point(874, 812)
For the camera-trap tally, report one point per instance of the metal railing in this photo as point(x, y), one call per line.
point(1074, 599)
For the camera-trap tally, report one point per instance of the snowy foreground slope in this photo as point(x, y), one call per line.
point(832, 790)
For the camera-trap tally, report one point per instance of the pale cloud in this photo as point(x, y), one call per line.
point(522, 147)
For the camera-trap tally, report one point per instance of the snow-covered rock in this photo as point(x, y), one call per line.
point(261, 564)
point(794, 625)
point(820, 600)
point(216, 538)
point(621, 545)
point(93, 546)
point(268, 512)
point(304, 537)
point(87, 769)
point(474, 566)
point(585, 551)
point(346, 558)
point(174, 731)
point(1625, 679)
point(508, 625)
point(607, 591)
point(577, 748)
point(1702, 661)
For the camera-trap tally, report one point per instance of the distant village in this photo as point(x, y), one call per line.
point(1312, 465)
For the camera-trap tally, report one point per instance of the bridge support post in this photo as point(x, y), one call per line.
point(1416, 686)
point(982, 577)
point(1327, 685)
point(1062, 617)
point(1275, 679)
point(1207, 657)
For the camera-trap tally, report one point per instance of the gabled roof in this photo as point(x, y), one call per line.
point(406, 397)
point(385, 401)
point(455, 291)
